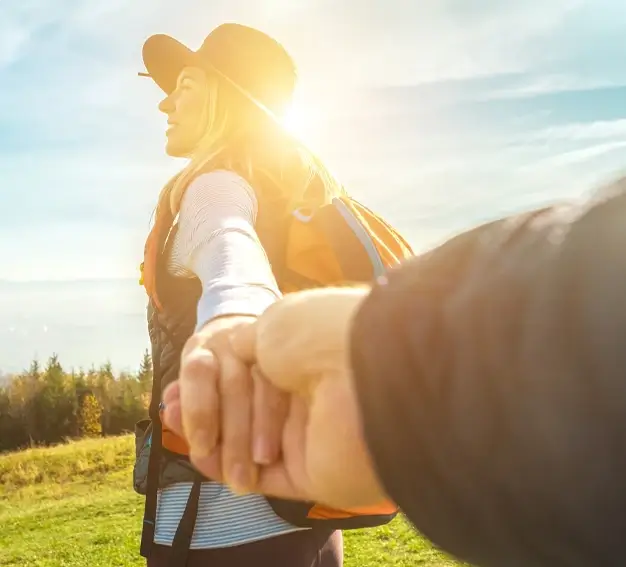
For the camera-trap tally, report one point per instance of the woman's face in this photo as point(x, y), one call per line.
point(184, 108)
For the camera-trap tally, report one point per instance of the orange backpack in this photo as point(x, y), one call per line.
point(341, 243)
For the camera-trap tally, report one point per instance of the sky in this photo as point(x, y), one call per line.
point(440, 114)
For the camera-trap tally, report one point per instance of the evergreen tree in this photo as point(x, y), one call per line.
point(104, 387)
point(48, 405)
point(89, 417)
point(145, 371)
point(56, 403)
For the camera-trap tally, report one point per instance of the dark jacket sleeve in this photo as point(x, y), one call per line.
point(491, 374)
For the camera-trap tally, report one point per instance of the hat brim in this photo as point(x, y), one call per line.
point(165, 57)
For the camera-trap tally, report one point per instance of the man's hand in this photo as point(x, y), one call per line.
point(301, 345)
point(280, 382)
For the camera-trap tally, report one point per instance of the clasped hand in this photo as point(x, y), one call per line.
point(267, 405)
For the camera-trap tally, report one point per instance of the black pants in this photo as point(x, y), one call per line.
point(309, 548)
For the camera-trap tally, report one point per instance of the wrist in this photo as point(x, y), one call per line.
point(223, 322)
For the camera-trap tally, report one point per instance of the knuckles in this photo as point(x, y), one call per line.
point(198, 363)
point(235, 380)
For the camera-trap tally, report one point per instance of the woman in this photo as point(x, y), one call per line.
point(205, 270)
point(485, 378)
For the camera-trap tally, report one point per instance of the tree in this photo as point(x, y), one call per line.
point(45, 405)
point(145, 379)
point(145, 371)
point(105, 381)
point(24, 393)
point(34, 371)
point(89, 417)
point(55, 408)
point(12, 430)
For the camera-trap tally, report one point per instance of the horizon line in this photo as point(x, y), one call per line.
point(68, 280)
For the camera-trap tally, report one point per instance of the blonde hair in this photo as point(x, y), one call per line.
point(239, 137)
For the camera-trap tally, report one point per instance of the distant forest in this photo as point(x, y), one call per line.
point(47, 405)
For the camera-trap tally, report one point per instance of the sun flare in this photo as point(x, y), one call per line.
point(301, 122)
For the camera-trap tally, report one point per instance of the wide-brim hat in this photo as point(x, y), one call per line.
point(251, 61)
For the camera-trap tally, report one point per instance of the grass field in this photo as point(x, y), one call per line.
point(73, 505)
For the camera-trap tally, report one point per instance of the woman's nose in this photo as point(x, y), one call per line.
point(166, 105)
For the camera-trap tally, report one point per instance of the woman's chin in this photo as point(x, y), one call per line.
point(176, 150)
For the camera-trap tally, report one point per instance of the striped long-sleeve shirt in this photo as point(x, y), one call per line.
point(216, 242)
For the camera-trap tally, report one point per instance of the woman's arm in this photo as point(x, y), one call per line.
point(490, 374)
point(217, 242)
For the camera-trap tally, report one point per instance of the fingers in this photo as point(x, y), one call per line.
point(295, 440)
point(215, 402)
point(199, 400)
point(211, 465)
point(236, 406)
point(172, 417)
point(243, 342)
point(287, 478)
point(270, 410)
point(171, 392)
point(276, 481)
point(301, 335)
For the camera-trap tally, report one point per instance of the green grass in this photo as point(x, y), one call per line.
point(73, 505)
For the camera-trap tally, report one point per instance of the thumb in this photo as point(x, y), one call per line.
point(262, 343)
point(300, 336)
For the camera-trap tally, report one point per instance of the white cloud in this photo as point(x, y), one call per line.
point(579, 156)
point(413, 42)
point(81, 116)
point(81, 140)
point(528, 87)
point(582, 131)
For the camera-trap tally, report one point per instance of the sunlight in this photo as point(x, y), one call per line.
point(302, 122)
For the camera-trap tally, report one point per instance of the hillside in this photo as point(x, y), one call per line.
point(73, 505)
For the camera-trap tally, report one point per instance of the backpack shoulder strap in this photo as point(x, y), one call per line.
point(352, 241)
point(340, 243)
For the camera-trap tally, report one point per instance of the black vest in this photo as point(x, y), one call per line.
point(170, 327)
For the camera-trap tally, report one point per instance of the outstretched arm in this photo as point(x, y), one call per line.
point(490, 375)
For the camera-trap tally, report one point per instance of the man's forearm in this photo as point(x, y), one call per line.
point(490, 378)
